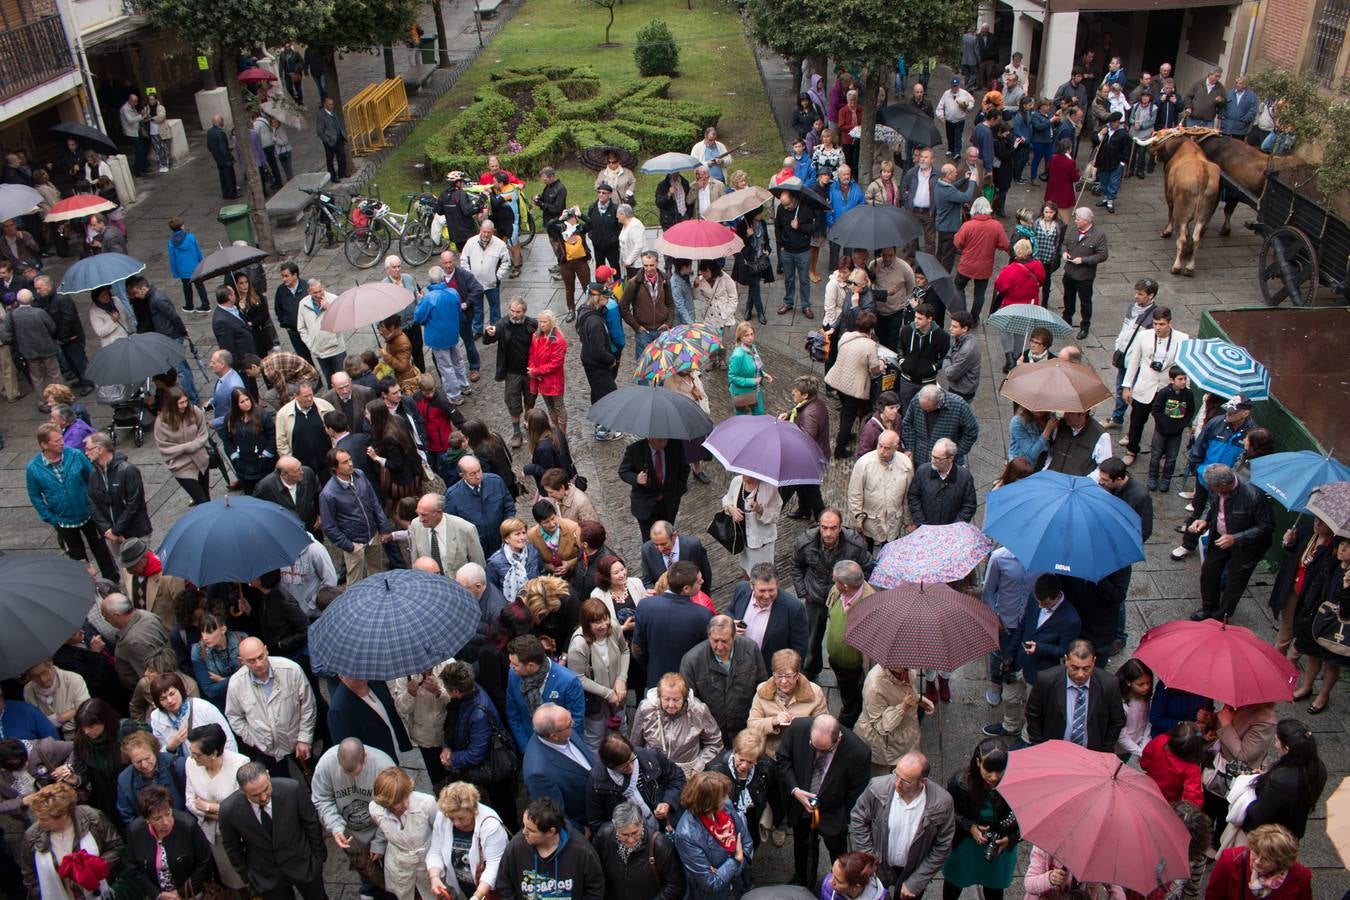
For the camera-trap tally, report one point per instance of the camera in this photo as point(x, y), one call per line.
point(1003, 828)
point(1155, 366)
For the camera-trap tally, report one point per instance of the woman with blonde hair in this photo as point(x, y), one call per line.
point(745, 374)
point(674, 721)
point(62, 827)
point(181, 433)
point(544, 371)
point(467, 843)
point(785, 696)
point(405, 818)
point(599, 655)
point(555, 610)
point(1267, 867)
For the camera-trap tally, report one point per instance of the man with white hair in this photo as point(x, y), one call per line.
point(34, 335)
point(1084, 249)
point(705, 190)
point(438, 312)
point(343, 786)
point(488, 259)
point(449, 540)
point(632, 236)
point(329, 348)
point(472, 577)
point(349, 399)
point(140, 636)
point(942, 492)
point(935, 413)
point(394, 274)
point(227, 380)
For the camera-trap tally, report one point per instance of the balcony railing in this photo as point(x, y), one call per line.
point(31, 55)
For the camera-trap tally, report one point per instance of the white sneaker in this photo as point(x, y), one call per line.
point(1109, 423)
point(1181, 552)
point(1190, 507)
point(1124, 441)
point(163, 170)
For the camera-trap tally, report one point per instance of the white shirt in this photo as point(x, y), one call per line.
point(569, 750)
point(258, 810)
point(756, 621)
point(922, 198)
point(630, 786)
point(631, 239)
point(374, 703)
point(902, 825)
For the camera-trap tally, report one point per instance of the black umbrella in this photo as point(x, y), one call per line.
point(88, 137)
point(917, 127)
point(596, 158)
point(871, 227)
point(941, 281)
point(134, 358)
point(226, 261)
point(806, 192)
point(43, 601)
point(650, 411)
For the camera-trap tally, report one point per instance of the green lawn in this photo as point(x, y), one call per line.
point(716, 66)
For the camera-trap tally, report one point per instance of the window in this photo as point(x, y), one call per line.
point(1328, 37)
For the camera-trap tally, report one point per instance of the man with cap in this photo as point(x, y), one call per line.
point(459, 209)
point(598, 358)
point(602, 219)
point(144, 581)
point(951, 109)
point(1112, 156)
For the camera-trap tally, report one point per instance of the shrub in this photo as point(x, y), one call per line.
point(656, 52)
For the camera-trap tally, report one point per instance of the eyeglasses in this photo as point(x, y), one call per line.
point(784, 676)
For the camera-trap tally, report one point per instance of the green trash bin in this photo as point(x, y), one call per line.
point(428, 47)
point(238, 226)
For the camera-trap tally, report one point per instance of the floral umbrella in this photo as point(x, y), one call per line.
point(931, 553)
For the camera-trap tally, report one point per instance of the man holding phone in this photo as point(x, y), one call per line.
point(1049, 625)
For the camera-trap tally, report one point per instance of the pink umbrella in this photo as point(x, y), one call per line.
point(77, 207)
point(364, 305)
point(1224, 662)
point(1104, 821)
point(698, 239)
point(255, 74)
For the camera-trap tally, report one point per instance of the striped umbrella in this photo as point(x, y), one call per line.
point(1218, 367)
point(77, 207)
point(1022, 319)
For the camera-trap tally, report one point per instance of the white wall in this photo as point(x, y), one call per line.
point(91, 14)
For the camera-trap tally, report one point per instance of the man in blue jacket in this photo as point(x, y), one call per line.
point(844, 195)
point(483, 499)
point(1049, 624)
point(353, 517)
point(557, 763)
point(535, 680)
point(58, 488)
point(438, 312)
point(951, 195)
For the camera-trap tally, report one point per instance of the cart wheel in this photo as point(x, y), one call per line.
point(1288, 268)
point(138, 437)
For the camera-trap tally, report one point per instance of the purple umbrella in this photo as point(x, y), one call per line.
point(773, 451)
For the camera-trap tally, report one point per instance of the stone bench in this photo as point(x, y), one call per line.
point(418, 76)
point(488, 8)
point(287, 204)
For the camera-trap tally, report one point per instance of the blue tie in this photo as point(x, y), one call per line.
point(1078, 730)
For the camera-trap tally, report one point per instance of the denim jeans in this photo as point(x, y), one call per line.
point(1040, 153)
point(492, 297)
point(73, 359)
point(470, 349)
point(795, 266)
point(641, 339)
point(1110, 182)
point(185, 380)
point(1118, 413)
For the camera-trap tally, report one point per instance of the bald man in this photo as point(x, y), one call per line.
point(342, 789)
point(270, 707)
point(823, 767)
point(449, 540)
point(295, 487)
point(908, 822)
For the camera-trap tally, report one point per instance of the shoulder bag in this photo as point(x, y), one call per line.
point(500, 763)
point(728, 532)
point(1118, 356)
point(1331, 632)
point(482, 864)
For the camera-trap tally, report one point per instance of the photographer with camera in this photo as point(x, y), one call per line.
point(1146, 373)
point(986, 829)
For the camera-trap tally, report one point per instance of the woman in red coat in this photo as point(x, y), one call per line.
point(1267, 867)
point(1018, 282)
point(544, 369)
point(979, 240)
point(1063, 176)
point(1172, 760)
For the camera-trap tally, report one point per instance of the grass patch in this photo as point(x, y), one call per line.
point(716, 66)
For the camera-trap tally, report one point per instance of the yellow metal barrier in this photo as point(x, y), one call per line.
point(370, 112)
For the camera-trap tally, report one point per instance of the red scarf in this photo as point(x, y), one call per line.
point(722, 828)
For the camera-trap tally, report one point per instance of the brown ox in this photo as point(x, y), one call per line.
point(1241, 162)
point(1191, 186)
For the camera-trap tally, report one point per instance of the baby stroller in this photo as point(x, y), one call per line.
point(128, 409)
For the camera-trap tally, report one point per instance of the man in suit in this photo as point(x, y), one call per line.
point(1049, 624)
point(659, 475)
point(1240, 523)
point(295, 487)
point(334, 139)
point(482, 499)
point(1077, 703)
point(273, 837)
point(218, 145)
point(449, 540)
point(774, 619)
point(354, 712)
point(473, 579)
point(348, 399)
point(300, 431)
point(921, 809)
point(557, 763)
point(535, 680)
point(669, 625)
point(823, 768)
point(228, 326)
point(666, 547)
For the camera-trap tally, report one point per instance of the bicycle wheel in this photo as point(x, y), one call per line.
point(527, 230)
point(311, 230)
point(364, 247)
point(416, 244)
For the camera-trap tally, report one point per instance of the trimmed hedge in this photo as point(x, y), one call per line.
point(573, 109)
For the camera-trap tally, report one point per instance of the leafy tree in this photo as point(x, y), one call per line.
point(363, 26)
point(868, 34)
point(606, 5)
point(656, 52)
point(225, 27)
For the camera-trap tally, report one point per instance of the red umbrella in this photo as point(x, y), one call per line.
point(922, 626)
point(256, 74)
point(1103, 820)
point(698, 239)
point(77, 207)
point(1213, 659)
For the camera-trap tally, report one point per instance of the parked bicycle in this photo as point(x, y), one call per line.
point(376, 227)
point(325, 213)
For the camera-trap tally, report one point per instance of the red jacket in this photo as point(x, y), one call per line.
point(1176, 778)
point(979, 240)
point(1232, 871)
point(1020, 282)
point(1063, 172)
point(436, 415)
point(546, 363)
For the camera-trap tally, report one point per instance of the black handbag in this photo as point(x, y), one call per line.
point(764, 267)
point(743, 272)
point(500, 763)
point(728, 532)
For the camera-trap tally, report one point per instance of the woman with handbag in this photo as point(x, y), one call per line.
point(70, 850)
point(1286, 793)
point(477, 744)
point(713, 840)
point(467, 843)
point(851, 376)
point(211, 771)
point(1020, 281)
point(167, 850)
point(1322, 631)
point(745, 374)
point(599, 655)
point(982, 817)
point(405, 818)
point(397, 354)
point(1245, 735)
point(747, 269)
point(756, 505)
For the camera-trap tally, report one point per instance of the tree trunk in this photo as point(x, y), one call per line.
point(389, 68)
point(443, 49)
point(334, 85)
point(609, 24)
point(253, 187)
point(867, 99)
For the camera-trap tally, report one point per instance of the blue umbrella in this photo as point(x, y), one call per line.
point(99, 270)
point(393, 624)
point(1066, 524)
point(232, 539)
point(1291, 477)
point(1218, 367)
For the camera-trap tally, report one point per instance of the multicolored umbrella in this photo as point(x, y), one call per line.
point(1290, 477)
point(680, 348)
point(922, 626)
point(77, 207)
point(1331, 504)
point(1023, 318)
point(931, 553)
point(1224, 662)
point(698, 239)
point(773, 451)
point(1218, 367)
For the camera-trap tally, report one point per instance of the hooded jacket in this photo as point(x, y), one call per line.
point(184, 253)
point(922, 352)
point(438, 314)
point(572, 871)
point(63, 501)
point(594, 335)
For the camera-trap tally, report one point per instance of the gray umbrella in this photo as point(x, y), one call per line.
point(43, 600)
point(226, 261)
point(17, 200)
point(650, 411)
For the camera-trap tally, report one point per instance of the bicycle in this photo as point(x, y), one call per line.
point(368, 243)
point(323, 212)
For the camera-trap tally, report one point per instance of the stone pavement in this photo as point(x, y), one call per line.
point(1161, 590)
